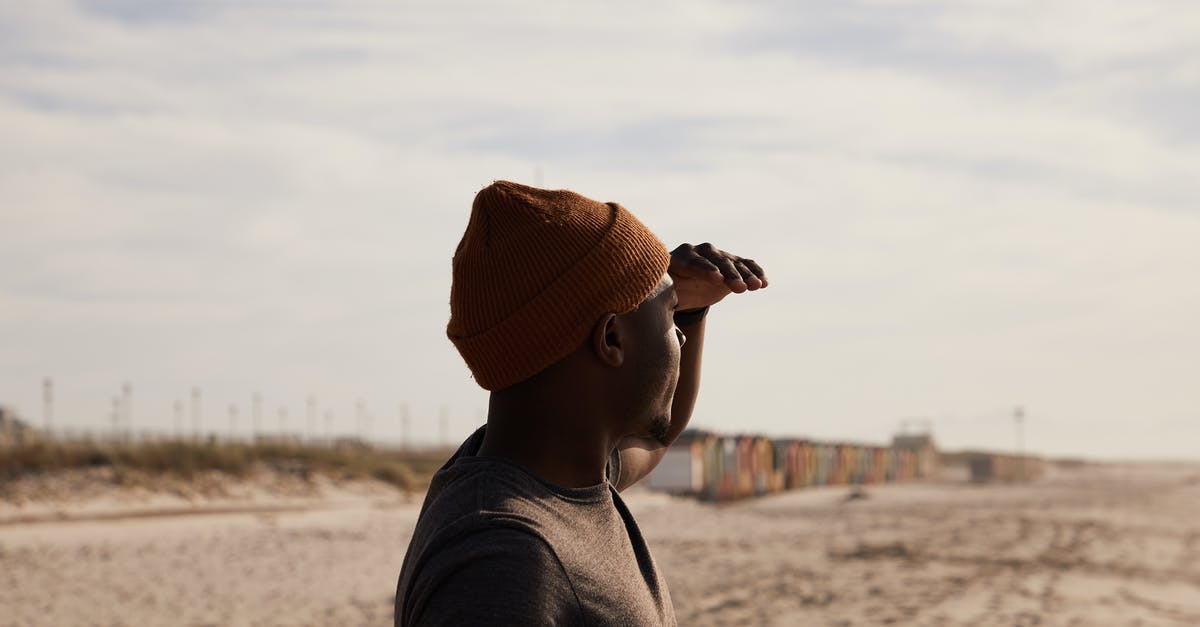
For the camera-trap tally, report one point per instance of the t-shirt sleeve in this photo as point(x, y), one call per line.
point(494, 577)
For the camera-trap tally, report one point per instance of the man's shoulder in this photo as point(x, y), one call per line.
point(509, 573)
point(481, 487)
point(494, 488)
point(469, 503)
point(488, 540)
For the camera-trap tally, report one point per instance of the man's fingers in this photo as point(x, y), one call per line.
point(726, 263)
point(733, 278)
point(757, 270)
point(686, 260)
point(719, 266)
point(705, 266)
point(748, 276)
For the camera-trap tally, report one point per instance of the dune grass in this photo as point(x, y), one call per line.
point(407, 470)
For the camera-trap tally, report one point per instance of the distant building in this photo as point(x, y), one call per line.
point(995, 467)
point(924, 451)
point(681, 470)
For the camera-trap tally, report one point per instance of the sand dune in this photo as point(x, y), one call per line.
point(1115, 545)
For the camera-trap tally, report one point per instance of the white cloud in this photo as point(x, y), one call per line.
point(1081, 35)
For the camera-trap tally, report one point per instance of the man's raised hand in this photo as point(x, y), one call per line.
point(705, 274)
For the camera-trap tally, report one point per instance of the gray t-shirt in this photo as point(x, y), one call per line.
point(496, 545)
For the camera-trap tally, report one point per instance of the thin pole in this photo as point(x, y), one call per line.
point(116, 417)
point(127, 406)
point(1019, 422)
point(403, 426)
point(256, 417)
point(311, 431)
point(196, 411)
point(178, 418)
point(48, 405)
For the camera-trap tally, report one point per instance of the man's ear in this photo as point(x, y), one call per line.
point(608, 340)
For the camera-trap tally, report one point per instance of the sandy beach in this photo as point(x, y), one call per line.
point(1102, 545)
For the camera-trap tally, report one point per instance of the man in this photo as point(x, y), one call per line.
point(588, 334)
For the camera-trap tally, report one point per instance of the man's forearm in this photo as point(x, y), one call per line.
point(689, 379)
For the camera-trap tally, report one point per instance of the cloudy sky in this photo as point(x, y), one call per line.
point(963, 206)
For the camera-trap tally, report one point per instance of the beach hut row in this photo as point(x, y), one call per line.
point(727, 467)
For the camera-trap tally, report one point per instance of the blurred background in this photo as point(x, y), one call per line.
point(964, 207)
point(225, 239)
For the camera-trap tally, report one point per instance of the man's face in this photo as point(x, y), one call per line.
point(654, 360)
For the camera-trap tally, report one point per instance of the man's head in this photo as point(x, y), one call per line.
point(541, 275)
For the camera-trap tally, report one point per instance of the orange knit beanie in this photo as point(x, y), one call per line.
point(535, 270)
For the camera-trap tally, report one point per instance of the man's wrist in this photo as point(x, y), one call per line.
point(689, 317)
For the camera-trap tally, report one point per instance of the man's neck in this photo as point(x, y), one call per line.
point(550, 439)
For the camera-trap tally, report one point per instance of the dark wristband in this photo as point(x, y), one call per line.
point(690, 316)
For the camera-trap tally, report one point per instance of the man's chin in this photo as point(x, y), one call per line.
point(659, 428)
